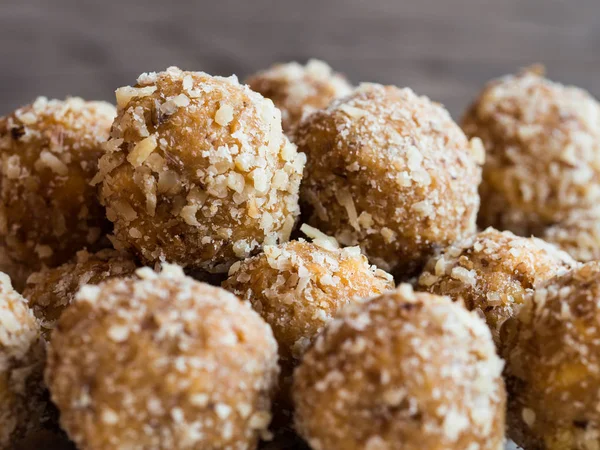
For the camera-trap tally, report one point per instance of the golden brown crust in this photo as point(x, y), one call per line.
point(542, 160)
point(553, 364)
point(494, 273)
point(404, 370)
point(23, 407)
point(49, 153)
point(50, 291)
point(199, 171)
point(162, 362)
point(391, 172)
point(299, 90)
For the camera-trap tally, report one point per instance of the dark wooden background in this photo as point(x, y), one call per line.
point(443, 48)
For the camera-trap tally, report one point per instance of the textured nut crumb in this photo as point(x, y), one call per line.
point(553, 364)
point(578, 235)
point(542, 162)
point(189, 358)
point(297, 287)
point(494, 272)
point(403, 370)
point(199, 172)
point(50, 291)
point(49, 154)
point(299, 90)
point(389, 171)
point(224, 115)
point(142, 151)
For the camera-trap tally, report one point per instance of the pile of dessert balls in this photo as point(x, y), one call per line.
point(299, 263)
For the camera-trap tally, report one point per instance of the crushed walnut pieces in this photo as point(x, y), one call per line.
point(299, 90)
point(198, 171)
point(298, 287)
point(50, 291)
point(578, 235)
point(162, 361)
point(404, 370)
point(391, 172)
point(553, 364)
point(49, 153)
point(494, 273)
point(542, 142)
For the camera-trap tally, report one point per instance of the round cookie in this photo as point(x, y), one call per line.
point(49, 153)
point(50, 291)
point(553, 364)
point(404, 370)
point(299, 90)
point(542, 159)
point(494, 272)
point(162, 362)
point(23, 407)
point(199, 171)
point(391, 172)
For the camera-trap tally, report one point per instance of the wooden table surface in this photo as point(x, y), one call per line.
point(443, 48)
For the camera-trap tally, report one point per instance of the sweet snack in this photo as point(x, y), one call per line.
point(50, 291)
point(201, 173)
point(299, 286)
point(198, 171)
point(542, 159)
point(162, 362)
point(299, 90)
point(23, 408)
point(49, 153)
point(404, 370)
point(494, 272)
point(553, 364)
point(391, 172)
point(578, 235)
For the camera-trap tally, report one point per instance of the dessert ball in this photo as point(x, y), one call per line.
point(391, 172)
point(199, 171)
point(494, 273)
point(22, 352)
point(50, 291)
point(404, 370)
point(161, 362)
point(49, 153)
point(553, 364)
point(578, 235)
point(299, 90)
point(542, 160)
point(297, 288)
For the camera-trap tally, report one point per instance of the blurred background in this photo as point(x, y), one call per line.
point(445, 49)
